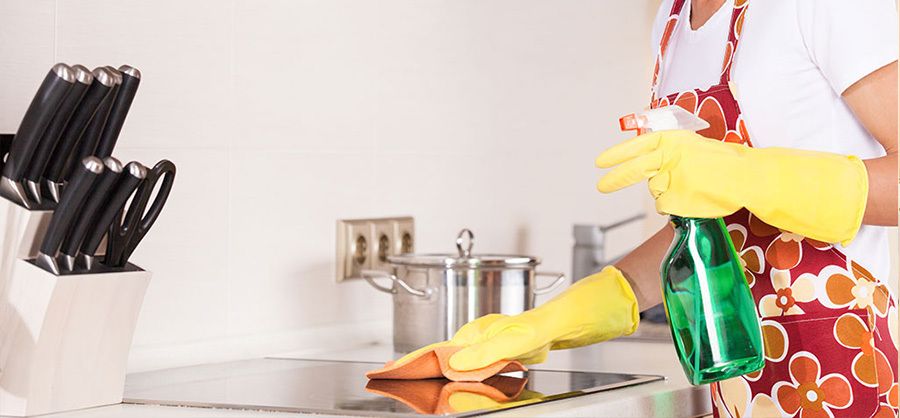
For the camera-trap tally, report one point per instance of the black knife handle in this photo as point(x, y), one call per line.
point(131, 79)
point(5, 143)
point(98, 196)
point(95, 95)
point(41, 110)
point(87, 144)
point(70, 204)
point(51, 136)
point(132, 176)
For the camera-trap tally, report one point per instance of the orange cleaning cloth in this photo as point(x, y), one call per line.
point(432, 397)
point(436, 363)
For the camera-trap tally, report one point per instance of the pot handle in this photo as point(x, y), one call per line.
point(469, 240)
point(560, 278)
point(371, 275)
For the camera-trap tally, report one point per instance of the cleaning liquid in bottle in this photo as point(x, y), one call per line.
point(708, 302)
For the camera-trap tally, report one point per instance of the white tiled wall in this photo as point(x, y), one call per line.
point(285, 115)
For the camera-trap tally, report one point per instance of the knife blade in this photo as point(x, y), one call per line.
point(97, 197)
point(131, 79)
point(95, 95)
point(69, 208)
point(87, 144)
point(51, 136)
point(40, 112)
point(132, 176)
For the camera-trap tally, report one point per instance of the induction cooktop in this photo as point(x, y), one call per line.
point(341, 388)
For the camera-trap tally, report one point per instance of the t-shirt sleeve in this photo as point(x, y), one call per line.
point(849, 39)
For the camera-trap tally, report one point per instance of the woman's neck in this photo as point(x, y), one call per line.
point(702, 10)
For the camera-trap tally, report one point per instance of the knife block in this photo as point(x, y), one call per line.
point(64, 340)
point(22, 231)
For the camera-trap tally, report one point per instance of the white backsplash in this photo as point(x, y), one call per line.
point(285, 115)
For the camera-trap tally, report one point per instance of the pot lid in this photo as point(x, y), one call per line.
point(464, 257)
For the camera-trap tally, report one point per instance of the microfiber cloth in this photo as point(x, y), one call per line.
point(436, 363)
point(432, 396)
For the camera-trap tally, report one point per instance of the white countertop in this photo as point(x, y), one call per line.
point(673, 397)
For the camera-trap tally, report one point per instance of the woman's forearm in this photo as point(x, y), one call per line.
point(641, 267)
point(881, 205)
point(873, 100)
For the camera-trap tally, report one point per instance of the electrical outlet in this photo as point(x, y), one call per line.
point(383, 237)
point(404, 236)
point(365, 244)
point(353, 248)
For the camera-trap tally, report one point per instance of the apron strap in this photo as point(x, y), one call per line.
point(734, 36)
point(665, 39)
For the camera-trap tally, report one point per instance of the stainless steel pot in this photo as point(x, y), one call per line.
point(436, 294)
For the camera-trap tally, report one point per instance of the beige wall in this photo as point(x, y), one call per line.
point(285, 115)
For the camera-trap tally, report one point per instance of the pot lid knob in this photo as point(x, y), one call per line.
point(465, 236)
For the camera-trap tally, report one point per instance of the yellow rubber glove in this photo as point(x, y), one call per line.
point(468, 401)
point(597, 308)
point(815, 194)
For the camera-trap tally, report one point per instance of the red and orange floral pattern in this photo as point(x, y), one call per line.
point(892, 324)
point(751, 256)
point(870, 366)
point(853, 287)
point(787, 294)
point(810, 393)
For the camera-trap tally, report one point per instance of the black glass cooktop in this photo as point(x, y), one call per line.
point(341, 388)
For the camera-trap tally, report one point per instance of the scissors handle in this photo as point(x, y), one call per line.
point(124, 237)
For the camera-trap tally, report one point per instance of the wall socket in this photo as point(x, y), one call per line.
point(365, 244)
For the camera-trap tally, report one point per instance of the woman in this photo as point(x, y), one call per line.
point(801, 160)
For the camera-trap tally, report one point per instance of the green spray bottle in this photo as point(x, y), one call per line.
point(710, 309)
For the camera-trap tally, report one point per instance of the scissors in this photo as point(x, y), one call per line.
point(126, 235)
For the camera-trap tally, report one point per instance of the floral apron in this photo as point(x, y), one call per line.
point(830, 327)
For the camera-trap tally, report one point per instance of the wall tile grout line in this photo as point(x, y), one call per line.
point(229, 164)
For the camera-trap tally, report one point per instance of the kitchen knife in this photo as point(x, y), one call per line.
point(52, 134)
point(131, 79)
point(134, 173)
point(43, 106)
point(69, 208)
point(96, 93)
point(98, 196)
point(88, 142)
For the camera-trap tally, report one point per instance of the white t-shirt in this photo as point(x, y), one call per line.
point(795, 59)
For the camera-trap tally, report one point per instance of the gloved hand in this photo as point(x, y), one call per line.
point(597, 308)
point(815, 194)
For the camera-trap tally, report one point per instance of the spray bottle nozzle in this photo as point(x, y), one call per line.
point(661, 119)
point(629, 123)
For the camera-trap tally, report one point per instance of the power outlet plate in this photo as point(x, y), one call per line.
point(353, 244)
point(365, 244)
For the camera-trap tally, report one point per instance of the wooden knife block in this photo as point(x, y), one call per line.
point(64, 340)
point(22, 231)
